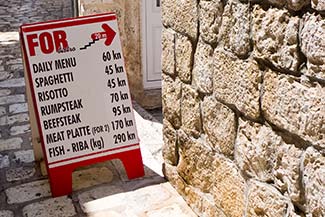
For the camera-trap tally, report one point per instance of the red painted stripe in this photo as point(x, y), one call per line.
point(66, 23)
point(86, 155)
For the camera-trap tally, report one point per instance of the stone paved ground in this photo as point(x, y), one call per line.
point(100, 190)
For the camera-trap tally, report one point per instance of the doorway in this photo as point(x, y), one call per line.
point(151, 43)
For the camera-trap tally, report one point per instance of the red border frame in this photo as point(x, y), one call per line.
point(60, 176)
point(26, 28)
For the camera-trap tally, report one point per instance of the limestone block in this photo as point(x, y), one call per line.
point(255, 147)
point(169, 149)
point(171, 100)
point(4, 161)
point(4, 75)
point(263, 155)
point(18, 118)
point(5, 92)
point(9, 144)
point(296, 5)
point(184, 58)
point(318, 5)
point(201, 203)
point(265, 200)
point(237, 82)
point(20, 173)
point(211, 173)
point(275, 37)
point(203, 68)
point(190, 112)
point(97, 193)
point(18, 108)
point(313, 44)
point(6, 213)
point(229, 188)
point(210, 16)
point(168, 52)
point(90, 177)
point(170, 172)
point(287, 171)
point(54, 207)
point(195, 163)
point(235, 29)
point(296, 107)
point(16, 82)
point(27, 192)
point(2, 111)
point(313, 179)
point(12, 99)
point(219, 124)
point(181, 16)
point(24, 156)
point(279, 3)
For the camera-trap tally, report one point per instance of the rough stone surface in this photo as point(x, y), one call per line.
point(183, 55)
point(90, 177)
point(9, 120)
point(155, 200)
point(16, 130)
point(6, 213)
point(210, 16)
point(10, 144)
point(201, 203)
point(255, 146)
point(275, 36)
point(318, 5)
point(219, 124)
point(25, 156)
point(296, 107)
point(5, 92)
point(297, 5)
point(263, 155)
point(313, 179)
point(209, 172)
point(12, 99)
point(313, 44)
point(4, 161)
point(278, 3)
point(237, 82)
point(2, 111)
point(18, 108)
point(28, 192)
point(265, 200)
point(54, 207)
point(168, 52)
point(171, 100)
point(20, 173)
point(17, 82)
point(190, 112)
point(235, 29)
point(249, 138)
point(203, 67)
point(287, 172)
point(169, 150)
point(174, 12)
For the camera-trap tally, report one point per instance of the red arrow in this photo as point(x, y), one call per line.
point(108, 33)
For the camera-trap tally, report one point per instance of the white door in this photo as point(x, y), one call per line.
point(151, 43)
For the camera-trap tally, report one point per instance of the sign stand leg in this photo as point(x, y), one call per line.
point(61, 177)
point(61, 181)
point(132, 163)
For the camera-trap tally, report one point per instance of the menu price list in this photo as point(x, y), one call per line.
point(65, 133)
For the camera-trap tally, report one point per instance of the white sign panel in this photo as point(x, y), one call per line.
point(80, 88)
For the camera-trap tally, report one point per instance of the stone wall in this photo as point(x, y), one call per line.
point(128, 13)
point(244, 106)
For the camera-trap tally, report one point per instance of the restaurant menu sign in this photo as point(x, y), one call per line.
point(80, 90)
